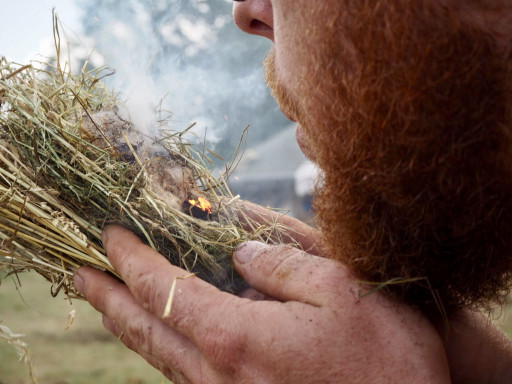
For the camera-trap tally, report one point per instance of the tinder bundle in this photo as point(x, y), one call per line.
point(70, 164)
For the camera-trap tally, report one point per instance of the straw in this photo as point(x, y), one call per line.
point(71, 164)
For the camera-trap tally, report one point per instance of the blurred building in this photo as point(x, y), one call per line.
point(276, 173)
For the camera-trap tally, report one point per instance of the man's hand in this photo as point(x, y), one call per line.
point(317, 330)
point(478, 352)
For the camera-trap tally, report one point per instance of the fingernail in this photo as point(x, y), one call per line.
point(79, 283)
point(247, 251)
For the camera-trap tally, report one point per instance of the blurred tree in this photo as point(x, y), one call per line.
point(191, 51)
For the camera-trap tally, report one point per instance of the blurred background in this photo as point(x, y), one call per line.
point(183, 56)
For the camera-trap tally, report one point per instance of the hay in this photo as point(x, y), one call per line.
point(70, 164)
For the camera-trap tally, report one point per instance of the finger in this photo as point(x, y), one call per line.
point(121, 335)
point(145, 333)
point(288, 274)
point(252, 294)
point(175, 377)
point(185, 302)
point(292, 231)
point(147, 273)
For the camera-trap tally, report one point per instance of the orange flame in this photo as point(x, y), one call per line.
point(202, 203)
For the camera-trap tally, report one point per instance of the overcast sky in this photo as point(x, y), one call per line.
point(27, 24)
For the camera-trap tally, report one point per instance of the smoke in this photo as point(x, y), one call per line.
point(188, 58)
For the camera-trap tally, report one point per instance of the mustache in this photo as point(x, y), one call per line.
point(288, 105)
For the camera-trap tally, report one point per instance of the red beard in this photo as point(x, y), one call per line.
point(413, 131)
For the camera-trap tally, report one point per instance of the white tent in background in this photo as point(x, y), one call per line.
point(276, 173)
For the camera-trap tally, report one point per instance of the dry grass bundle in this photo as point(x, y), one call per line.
point(69, 165)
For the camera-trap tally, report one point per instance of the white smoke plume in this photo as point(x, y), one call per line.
point(186, 57)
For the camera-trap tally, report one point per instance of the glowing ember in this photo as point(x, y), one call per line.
point(202, 203)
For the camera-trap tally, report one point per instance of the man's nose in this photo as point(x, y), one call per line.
point(255, 17)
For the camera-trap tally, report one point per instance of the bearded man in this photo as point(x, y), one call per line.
point(405, 106)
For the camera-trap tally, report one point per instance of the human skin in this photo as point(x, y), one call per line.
point(318, 329)
point(477, 351)
point(387, 94)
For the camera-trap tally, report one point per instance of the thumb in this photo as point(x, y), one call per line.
point(288, 274)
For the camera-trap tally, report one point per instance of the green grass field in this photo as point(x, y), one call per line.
point(86, 353)
point(83, 354)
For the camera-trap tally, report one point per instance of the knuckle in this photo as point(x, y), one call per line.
point(287, 261)
point(98, 300)
point(332, 279)
point(225, 346)
point(116, 250)
point(324, 276)
point(225, 351)
point(140, 334)
point(182, 320)
point(99, 297)
point(119, 253)
point(145, 290)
